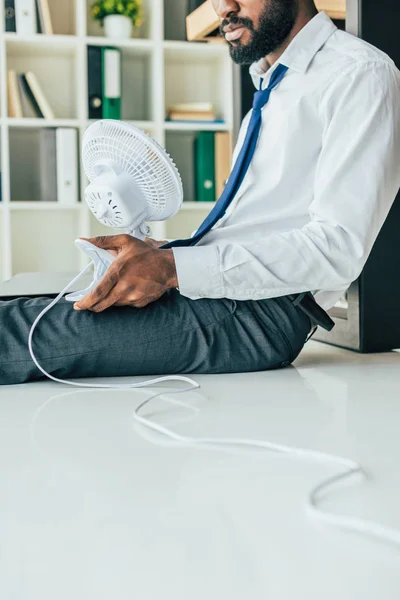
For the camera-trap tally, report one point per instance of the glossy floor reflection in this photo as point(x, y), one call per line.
point(93, 506)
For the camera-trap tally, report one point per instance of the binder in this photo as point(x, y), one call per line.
point(45, 21)
point(205, 166)
point(180, 147)
point(175, 21)
point(48, 165)
point(67, 165)
point(9, 13)
point(25, 16)
point(95, 82)
point(112, 83)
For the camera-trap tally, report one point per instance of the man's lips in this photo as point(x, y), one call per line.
point(234, 33)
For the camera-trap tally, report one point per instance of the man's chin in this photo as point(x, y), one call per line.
point(239, 54)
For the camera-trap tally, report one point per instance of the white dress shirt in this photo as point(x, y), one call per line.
point(323, 178)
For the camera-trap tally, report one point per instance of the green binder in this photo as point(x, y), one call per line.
point(205, 166)
point(112, 83)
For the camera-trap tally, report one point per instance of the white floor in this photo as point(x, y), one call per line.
point(93, 507)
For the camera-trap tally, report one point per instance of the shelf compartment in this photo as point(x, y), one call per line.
point(56, 68)
point(35, 241)
point(25, 166)
point(94, 28)
point(63, 18)
point(136, 102)
point(198, 76)
point(180, 145)
point(183, 224)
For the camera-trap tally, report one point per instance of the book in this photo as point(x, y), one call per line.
point(9, 14)
point(25, 17)
point(14, 97)
point(67, 165)
point(45, 21)
point(202, 22)
point(192, 106)
point(336, 9)
point(95, 82)
point(191, 116)
point(48, 165)
point(205, 166)
point(28, 110)
point(223, 160)
point(112, 83)
point(37, 92)
point(30, 97)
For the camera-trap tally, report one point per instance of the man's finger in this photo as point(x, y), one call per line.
point(109, 242)
point(109, 300)
point(102, 289)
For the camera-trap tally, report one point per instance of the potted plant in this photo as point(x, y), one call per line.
point(118, 16)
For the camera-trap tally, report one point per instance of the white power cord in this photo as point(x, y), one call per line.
point(193, 384)
point(351, 468)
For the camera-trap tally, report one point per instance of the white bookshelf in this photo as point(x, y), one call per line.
point(38, 235)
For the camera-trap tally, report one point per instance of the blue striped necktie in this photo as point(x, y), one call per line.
point(241, 165)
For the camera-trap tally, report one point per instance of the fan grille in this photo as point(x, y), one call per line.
point(141, 157)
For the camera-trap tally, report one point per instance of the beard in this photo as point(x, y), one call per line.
point(276, 22)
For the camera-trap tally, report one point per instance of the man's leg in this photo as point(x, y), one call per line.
point(172, 335)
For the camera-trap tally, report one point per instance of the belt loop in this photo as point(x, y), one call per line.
point(299, 298)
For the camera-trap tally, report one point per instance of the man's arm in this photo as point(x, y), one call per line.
point(139, 275)
point(357, 179)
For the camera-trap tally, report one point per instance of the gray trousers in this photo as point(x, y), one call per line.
point(174, 335)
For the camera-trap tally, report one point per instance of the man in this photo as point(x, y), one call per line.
point(321, 148)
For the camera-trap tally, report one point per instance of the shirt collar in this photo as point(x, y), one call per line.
point(301, 50)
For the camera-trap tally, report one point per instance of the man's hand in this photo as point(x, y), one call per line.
point(139, 275)
point(155, 243)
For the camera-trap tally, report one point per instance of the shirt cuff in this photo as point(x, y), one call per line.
point(198, 271)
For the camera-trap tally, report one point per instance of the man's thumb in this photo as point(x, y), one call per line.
point(106, 242)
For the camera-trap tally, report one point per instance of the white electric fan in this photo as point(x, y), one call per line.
point(132, 178)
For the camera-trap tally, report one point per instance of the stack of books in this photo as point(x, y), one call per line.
point(28, 17)
point(104, 83)
point(191, 111)
point(26, 97)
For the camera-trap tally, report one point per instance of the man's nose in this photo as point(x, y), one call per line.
point(224, 7)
